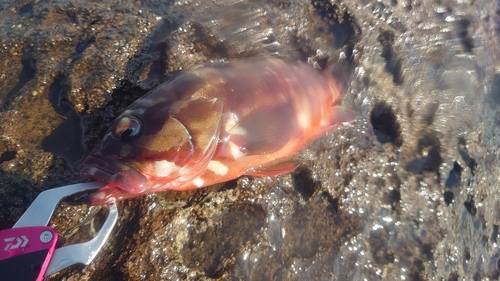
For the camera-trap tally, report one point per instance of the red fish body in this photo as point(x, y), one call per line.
point(211, 124)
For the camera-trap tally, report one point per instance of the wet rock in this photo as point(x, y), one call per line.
point(212, 245)
point(317, 227)
point(426, 156)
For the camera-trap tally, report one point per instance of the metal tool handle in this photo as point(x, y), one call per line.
point(84, 252)
point(41, 210)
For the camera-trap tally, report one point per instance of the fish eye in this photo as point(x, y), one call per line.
point(128, 128)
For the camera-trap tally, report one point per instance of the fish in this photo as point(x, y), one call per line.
point(214, 123)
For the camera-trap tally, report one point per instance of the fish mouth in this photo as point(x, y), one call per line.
point(114, 172)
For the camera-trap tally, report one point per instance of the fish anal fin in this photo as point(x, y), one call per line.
point(338, 115)
point(272, 169)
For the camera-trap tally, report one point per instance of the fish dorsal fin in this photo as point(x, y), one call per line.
point(275, 168)
point(264, 130)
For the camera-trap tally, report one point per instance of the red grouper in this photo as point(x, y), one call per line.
point(214, 123)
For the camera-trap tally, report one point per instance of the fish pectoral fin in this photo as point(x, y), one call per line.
point(338, 116)
point(264, 131)
point(272, 169)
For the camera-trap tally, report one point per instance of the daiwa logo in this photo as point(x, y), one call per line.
point(19, 242)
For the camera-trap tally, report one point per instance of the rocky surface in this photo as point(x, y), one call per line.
point(408, 191)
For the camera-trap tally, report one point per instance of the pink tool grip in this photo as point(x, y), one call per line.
point(25, 241)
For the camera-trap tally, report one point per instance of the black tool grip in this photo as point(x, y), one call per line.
point(23, 267)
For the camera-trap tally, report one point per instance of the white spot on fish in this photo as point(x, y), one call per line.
point(235, 150)
point(232, 120)
point(238, 131)
point(217, 167)
point(164, 168)
point(125, 151)
point(100, 196)
point(303, 119)
point(198, 182)
point(92, 171)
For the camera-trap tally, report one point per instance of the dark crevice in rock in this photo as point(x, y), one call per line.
point(448, 197)
point(341, 24)
point(232, 184)
point(65, 141)
point(470, 206)
point(83, 45)
point(385, 125)
point(484, 240)
point(333, 203)
point(394, 63)
point(453, 276)
point(80, 47)
point(392, 195)
point(7, 156)
point(427, 252)
point(304, 183)
point(464, 153)
point(472, 166)
point(454, 177)
point(150, 66)
point(494, 234)
point(428, 156)
point(466, 255)
point(463, 34)
point(124, 96)
point(26, 9)
point(26, 75)
point(58, 96)
point(395, 197)
point(495, 88)
point(73, 16)
point(209, 43)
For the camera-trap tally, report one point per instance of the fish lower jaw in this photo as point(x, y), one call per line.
point(100, 198)
point(129, 180)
